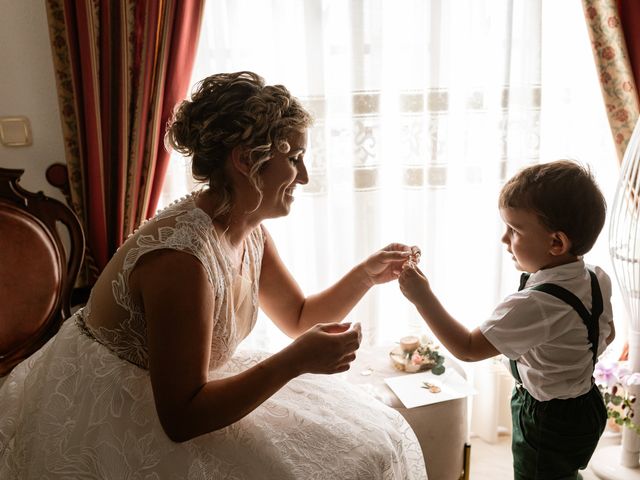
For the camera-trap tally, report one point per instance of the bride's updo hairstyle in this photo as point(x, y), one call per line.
point(227, 110)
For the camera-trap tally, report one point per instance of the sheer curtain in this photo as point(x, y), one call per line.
point(423, 110)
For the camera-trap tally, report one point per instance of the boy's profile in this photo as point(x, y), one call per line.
point(553, 328)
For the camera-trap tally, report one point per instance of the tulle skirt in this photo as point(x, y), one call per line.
point(75, 410)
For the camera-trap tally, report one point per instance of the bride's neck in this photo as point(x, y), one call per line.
point(235, 225)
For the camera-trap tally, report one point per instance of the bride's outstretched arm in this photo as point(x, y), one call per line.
point(284, 302)
point(179, 309)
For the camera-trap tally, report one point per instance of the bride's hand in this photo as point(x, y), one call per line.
point(386, 264)
point(327, 348)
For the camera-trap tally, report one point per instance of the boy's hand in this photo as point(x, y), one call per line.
point(386, 264)
point(413, 283)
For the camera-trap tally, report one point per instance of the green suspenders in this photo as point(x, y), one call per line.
point(590, 319)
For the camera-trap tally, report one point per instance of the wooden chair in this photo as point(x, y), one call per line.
point(37, 274)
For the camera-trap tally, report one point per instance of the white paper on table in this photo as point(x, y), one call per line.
point(408, 388)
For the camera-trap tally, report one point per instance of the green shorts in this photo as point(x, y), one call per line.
point(554, 439)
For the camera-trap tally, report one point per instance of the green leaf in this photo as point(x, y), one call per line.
point(438, 370)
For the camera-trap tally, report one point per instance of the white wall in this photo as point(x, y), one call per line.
point(28, 88)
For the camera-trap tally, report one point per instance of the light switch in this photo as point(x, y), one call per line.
point(15, 131)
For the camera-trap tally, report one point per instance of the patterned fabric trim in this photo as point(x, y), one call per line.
point(614, 68)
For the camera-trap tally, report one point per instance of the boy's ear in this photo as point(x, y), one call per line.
point(240, 160)
point(560, 244)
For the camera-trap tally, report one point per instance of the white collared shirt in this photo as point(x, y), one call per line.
point(547, 336)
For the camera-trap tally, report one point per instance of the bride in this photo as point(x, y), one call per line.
point(143, 383)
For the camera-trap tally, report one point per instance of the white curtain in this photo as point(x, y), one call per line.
point(423, 109)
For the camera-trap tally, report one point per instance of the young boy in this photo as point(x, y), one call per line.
point(552, 329)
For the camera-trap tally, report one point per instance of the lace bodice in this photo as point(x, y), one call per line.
point(185, 227)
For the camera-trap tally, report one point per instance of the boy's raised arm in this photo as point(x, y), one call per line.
point(466, 345)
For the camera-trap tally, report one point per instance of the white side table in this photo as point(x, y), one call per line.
point(441, 427)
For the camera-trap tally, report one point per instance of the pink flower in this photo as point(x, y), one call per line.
point(592, 13)
point(606, 373)
point(608, 53)
point(626, 86)
point(605, 77)
point(416, 358)
point(610, 373)
point(622, 115)
point(623, 371)
point(613, 22)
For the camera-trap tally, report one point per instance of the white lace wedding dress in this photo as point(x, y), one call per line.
point(82, 406)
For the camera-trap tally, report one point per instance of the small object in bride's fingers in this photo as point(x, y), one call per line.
point(366, 372)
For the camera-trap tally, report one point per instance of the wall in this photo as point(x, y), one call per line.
point(28, 88)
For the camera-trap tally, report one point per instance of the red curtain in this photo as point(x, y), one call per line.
point(120, 66)
point(629, 11)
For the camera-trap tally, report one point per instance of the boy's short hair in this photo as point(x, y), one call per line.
point(564, 195)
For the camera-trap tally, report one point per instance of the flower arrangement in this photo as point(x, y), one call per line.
point(613, 379)
point(416, 355)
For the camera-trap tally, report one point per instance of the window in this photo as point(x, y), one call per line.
point(422, 110)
